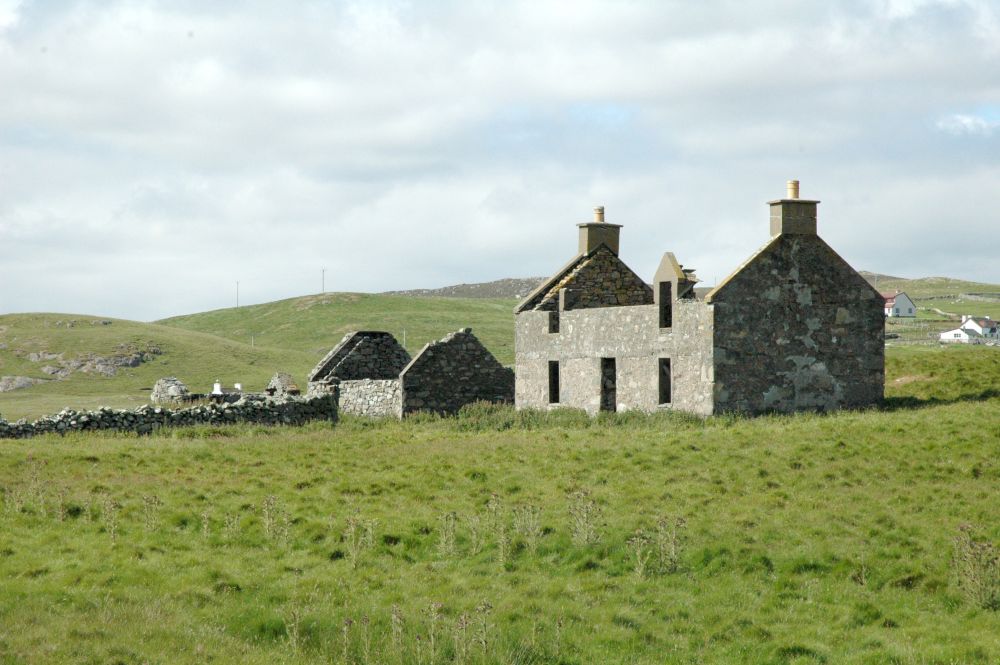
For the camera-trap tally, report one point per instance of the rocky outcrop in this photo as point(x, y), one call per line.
point(126, 355)
point(9, 383)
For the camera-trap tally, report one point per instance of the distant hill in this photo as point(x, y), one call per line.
point(511, 287)
point(934, 295)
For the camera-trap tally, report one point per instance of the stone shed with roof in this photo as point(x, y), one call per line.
point(373, 375)
point(793, 328)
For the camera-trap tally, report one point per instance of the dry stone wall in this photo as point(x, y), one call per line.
point(146, 419)
point(370, 397)
point(455, 371)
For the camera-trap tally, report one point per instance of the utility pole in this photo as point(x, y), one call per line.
point(323, 282)
point(237, 294)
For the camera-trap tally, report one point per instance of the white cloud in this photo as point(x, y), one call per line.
point(173, 148)
point(960, 123)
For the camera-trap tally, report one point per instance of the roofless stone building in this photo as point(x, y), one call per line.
point(793, 328)
point(372, 375)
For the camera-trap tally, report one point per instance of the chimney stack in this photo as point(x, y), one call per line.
point(597, 233)
point(792, 215)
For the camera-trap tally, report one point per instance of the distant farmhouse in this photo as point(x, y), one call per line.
point(899, 304)
point(974, 330)
point(793, 328)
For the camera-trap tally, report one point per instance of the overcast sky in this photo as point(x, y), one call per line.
point(154, 153)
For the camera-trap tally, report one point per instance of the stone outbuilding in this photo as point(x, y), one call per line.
point(793, 328)
point(372, 375)
point(281, 384)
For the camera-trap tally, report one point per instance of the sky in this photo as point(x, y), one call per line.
point(154, 154)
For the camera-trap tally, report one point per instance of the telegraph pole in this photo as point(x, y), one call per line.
point(237, 294)
point(323, 282)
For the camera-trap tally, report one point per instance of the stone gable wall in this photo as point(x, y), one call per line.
point(146, 419)
point(372, 358)
point(455, 371)
point(370, 397)
point(599, 280)
point(797, 329)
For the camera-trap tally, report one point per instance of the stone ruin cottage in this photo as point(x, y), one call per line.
point(794, 328)
point(373, 375)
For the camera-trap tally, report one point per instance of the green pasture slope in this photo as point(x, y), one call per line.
point(197, 358)
point(316, 323)
point(803, 539)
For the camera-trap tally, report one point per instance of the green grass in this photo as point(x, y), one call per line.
point(808, 538)
point(194, 357)
point(315, 323)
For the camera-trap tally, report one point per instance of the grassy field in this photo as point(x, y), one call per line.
point(953, 296)
point(500, 537)
point(315, 323)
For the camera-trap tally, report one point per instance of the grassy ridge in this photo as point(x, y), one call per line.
point(954, 296)
point(807, 538)
point(314, 323)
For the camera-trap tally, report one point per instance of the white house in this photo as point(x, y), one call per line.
point(899, 304)
point(974, 330)
point(983, 325)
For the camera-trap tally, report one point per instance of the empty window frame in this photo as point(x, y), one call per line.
point(553, 382)
point(666, 296)
point(665, 380)
point(554, 322)
point(609, 385)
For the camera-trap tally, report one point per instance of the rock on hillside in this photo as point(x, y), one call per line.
point(510, 287)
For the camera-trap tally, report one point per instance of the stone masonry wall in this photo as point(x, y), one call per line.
point(370, 397)
point(362, 355)
point(455, 371)
point(633, 338)
point(797, 329)
point(599, 280)
point(146, 419)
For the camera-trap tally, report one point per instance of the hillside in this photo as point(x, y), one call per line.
point(511, 287)
point(314, 324)
point(952, 296)
point(84, 361)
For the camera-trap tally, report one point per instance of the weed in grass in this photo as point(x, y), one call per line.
point(151, 505)
point(205, 526)
point(639, 552)
point(446, 535)
point(528, 525)
point(293, 630)
point(110, 511)
point(460, 636)
point(231, 527)
point(474, 523)
point(584, 514)
point(433, 618)
point(359, 537)
point(366, 639)
point(269, 512)
point(503, 545)
point(976, 565)
point(483, 611)
point(346, 640)
point(397, 625)
point(669, 542)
